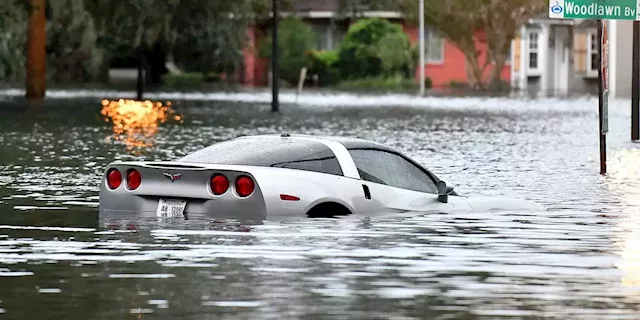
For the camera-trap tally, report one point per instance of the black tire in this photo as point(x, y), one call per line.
point(328, 210)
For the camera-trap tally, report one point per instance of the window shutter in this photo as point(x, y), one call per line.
point(516, 54)
point(580, 52)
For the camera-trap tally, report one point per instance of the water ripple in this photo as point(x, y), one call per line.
point(579, 259)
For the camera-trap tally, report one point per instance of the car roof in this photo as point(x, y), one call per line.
point(348, 142)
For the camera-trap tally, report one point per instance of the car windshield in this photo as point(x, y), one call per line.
point(269, 152)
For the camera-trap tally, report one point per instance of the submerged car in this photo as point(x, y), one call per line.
point(253, 177)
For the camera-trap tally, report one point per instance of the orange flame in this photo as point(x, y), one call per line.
point(138, 121)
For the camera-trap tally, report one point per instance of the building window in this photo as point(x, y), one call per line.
point(434, 47)
point(533, 50)
point(592, 52)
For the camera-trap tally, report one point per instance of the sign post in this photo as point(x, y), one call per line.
point(600, 10)
point(603, 90)
point(635, 83)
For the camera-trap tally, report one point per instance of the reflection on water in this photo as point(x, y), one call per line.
point(138, 121)
point(624, 180)
point(578, 260)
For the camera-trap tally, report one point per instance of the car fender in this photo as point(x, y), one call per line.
point(330, 199)
point(311, 187)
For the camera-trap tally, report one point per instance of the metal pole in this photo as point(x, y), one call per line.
point(275, 107)
point(36, 51)
point(635, 83)
point(603, 137)
point(421, 41)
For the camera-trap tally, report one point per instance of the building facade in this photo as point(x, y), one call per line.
point(620, 58)
point(556, 58)
point(444, 63)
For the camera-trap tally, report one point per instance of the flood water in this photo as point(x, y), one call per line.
point(579, 259)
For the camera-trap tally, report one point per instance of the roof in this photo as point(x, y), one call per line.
point(315, 5)
point(334, 8)
point(271, 149)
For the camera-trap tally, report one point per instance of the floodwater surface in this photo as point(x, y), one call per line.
point(578, 259)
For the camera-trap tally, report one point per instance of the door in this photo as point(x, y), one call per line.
point(561, 70)
point(396, 184)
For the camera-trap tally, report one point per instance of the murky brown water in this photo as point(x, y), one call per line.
point(578, 260)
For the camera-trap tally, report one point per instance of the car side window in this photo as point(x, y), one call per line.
point(324, 161)
point(391, 169)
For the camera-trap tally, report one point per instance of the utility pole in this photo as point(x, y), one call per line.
point(421, 41)
point(36, 51)
point(275, 74)
point(635, 83)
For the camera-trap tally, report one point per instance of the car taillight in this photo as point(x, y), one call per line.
point(219, 184)
point(133, 179)
point(244, 186)
point(114, 178)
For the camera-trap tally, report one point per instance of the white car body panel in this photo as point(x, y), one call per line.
point(349, 191)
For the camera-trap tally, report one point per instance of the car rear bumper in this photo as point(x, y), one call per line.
point(128, 206)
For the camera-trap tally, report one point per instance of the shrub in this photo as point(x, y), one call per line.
point(295, 39)
point(324, 64)
point(368, 43)
point(394, 84)
point(183, 79)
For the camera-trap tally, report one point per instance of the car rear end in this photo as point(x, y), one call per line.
point(171, 189)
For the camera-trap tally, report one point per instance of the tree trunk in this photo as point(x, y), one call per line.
point(495, 80)
point(474, 71)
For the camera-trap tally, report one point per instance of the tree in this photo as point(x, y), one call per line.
point(295, 40)
point(500, 21)
point(367, 43)
point(13, 35)
point(459, 21)
point(199, 35)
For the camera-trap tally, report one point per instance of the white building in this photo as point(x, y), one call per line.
point(554, 57)
point(620, 54)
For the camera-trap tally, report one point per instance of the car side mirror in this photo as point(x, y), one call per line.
point(443, 194)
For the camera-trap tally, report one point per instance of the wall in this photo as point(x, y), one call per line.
point(453, 67)
point(256, 69)
point(623, 43)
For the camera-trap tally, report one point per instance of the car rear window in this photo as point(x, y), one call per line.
point(270, 152)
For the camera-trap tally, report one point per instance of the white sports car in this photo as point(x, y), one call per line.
point(254, 177)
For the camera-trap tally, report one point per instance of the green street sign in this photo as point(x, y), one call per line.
point(595, 9)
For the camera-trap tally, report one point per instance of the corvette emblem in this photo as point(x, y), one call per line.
point(173, 177)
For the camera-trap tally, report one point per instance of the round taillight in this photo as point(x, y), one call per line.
point(134, 179)
point(219, 184)
point(114, 178)
point(244, 186)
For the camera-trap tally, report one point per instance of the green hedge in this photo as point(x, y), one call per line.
point(183, 79)
point(393, 84)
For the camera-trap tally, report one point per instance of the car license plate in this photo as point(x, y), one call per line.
point(168, 208)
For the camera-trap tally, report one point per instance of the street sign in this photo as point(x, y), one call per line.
point(595, 9)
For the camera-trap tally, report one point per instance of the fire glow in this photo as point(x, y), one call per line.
point(135, 122)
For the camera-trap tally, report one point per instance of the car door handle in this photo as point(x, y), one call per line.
point(367, 193)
